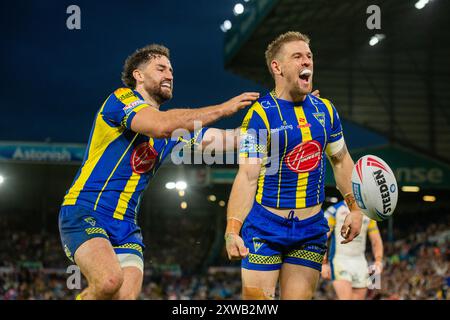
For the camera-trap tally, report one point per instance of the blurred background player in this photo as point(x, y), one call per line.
point(284, 231)
point(129, 140)
point(346, 264)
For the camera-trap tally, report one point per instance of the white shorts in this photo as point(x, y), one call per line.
point(351, 268)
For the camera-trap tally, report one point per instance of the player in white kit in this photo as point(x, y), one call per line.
point(346, 264)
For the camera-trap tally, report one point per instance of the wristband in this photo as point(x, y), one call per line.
point(349, 199)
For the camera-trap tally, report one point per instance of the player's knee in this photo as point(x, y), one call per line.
point(131, 295)
point(308, 294)
point(301, 292)
point(256, 293)
point(109, 285)
point(305, 294)
point(128, 293)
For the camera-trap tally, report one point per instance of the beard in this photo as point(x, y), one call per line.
point(158, 93)
point(297, 90)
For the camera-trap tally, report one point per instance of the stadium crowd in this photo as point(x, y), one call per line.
point(33, 265)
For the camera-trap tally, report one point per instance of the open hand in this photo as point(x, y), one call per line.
point(239, 102)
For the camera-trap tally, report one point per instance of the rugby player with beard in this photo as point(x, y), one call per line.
point(129, 140)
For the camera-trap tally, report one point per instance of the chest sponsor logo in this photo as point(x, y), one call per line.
point(284, 126)
point(143, 158)
point(305, 157)
point(320, 116)
point(302, 123)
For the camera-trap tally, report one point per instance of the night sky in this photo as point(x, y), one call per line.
point(54, 80)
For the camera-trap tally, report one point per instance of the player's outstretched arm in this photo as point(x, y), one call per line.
point(342, 164)
point(227, 140)
point(220, 140)
point(161, 124)
point(239, 205)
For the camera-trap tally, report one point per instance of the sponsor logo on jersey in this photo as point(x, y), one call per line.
point(123, 93)
point(131, 106)
point(143, 158)
point(335, 135)
point(247, 143)
point(384, 190)
point(257, 243)
point(265, 104)
point(320, 116)
point(302, 123)
point(245, 123)
point(304, 157)
point(285, 126)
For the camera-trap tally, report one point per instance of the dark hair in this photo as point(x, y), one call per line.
point(139, 57)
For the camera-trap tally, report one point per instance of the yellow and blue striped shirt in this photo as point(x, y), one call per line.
point(291, 139)
point(118, 162)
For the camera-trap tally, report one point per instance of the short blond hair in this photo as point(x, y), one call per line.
point(275, 46)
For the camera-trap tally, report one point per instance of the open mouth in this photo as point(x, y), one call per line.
point(305, 75)
point(166, 84)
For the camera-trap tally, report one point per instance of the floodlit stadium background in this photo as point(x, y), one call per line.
point(393, 96)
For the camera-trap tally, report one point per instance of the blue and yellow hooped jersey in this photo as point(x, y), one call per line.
point(291, 138)
point(119, 163)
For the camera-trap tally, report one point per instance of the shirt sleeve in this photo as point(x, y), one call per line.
point(254, 134)
point(193, 138)
point(336, 126)
point(372, 227)
point(336, 136)
point(121, 107)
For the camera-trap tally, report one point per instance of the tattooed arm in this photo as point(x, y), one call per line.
point(342, 165)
